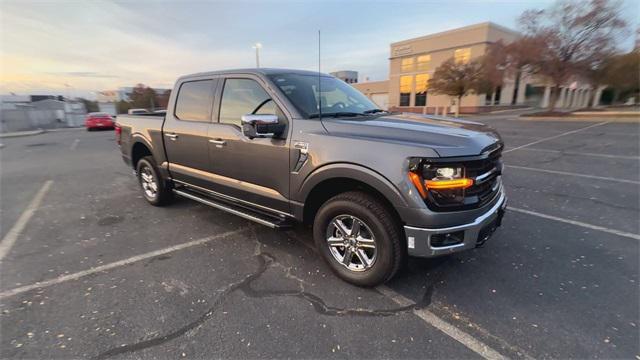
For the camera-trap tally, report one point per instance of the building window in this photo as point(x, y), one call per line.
point(423, 62)
point(405, 90)
point(462, 55)
point(422, 82)
point(406, 65)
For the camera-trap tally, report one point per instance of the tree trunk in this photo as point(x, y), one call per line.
point(555, 93)
point(458, 106)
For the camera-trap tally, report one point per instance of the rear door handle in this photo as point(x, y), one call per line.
point(219, 142)
point(171, 136)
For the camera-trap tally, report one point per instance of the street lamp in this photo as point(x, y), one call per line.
point(257, 46)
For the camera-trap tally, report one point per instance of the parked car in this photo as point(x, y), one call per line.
point(99, 121)
point(376, 186)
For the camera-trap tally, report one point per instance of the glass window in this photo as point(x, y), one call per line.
point(422, 83)
point(406, 65)
point(336, 96)
point(242, 97)
point(423, 62)
point(194, 101)
point(405, 90)
point(462, 55)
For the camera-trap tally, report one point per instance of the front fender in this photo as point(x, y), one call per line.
point(355, 172)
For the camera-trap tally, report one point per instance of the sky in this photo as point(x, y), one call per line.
point(76, 48)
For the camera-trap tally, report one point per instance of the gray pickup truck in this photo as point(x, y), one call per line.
point(278, 146)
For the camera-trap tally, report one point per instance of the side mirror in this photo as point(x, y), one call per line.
point(261, 126)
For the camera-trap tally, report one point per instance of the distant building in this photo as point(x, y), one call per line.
point(19, 112)
point(378, 91)
point(412, 63)
point(348, 76)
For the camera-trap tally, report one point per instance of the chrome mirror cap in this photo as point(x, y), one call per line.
point(258, 125)
point(258, 119)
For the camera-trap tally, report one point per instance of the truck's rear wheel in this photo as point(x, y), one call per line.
point(359, 238)
point(154, 188)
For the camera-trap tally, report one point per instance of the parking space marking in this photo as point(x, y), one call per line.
point(556, 136)
point(573, 174)
point(74, 144)
point(577, 223)
point(624, 157)
point(10, 238)
point(116, 264)
point(452, 331)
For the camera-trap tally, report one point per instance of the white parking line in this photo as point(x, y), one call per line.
point(577, 223)
point(452, 331)
point(624, 157)
point(113, 265)
point(10, 238)
point(74, 144)
point(556, 136)
point(573, 174)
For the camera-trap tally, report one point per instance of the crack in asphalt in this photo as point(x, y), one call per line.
point(265, 260)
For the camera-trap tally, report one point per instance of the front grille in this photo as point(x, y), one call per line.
point(484, 169)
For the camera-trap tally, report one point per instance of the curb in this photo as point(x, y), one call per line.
point(578, 119)
point(21, 133)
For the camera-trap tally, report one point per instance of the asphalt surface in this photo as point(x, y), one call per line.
point(559, 279)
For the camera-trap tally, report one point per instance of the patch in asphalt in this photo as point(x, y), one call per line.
point(41, 144)
point(109, 220)
point(265, 260)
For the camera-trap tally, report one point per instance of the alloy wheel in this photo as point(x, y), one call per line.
point(351, 242)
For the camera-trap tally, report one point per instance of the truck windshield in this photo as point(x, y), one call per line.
point(338, 99)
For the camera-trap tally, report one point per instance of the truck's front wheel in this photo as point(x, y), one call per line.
point(359, 238)
point(154, 188)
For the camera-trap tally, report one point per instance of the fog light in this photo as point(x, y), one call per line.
point(447, 239)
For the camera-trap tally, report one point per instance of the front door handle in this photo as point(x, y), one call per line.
point(171, 136)
point(219, 142)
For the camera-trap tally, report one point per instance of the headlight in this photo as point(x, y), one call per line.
point(439, 183)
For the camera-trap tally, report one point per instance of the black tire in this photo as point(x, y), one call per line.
point(162, 195)
point(378, 220)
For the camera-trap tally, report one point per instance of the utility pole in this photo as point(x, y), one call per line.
point(257, 46)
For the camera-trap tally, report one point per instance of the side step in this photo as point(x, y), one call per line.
point(274, 222)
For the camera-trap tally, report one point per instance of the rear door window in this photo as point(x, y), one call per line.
point(194, 101)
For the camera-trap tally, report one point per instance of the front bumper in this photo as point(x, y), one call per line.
point(420, 241)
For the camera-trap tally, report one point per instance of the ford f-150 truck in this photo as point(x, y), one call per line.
point(277, 146)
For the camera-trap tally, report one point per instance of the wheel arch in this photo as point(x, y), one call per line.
point(140, 149)
point(334, 179)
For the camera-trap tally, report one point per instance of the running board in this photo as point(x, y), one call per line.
point(273, 222)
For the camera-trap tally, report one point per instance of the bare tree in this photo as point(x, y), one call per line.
point(494, 66)
point(457, 79)
point(569, 37)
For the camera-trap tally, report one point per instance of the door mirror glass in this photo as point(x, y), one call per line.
point(261, 125)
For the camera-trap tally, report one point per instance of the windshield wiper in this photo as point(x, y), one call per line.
point(337, 114)
point(373, 111)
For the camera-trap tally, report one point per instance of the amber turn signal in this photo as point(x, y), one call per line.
point(448, 184)
point(417, 182)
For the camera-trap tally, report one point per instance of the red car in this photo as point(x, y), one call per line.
point(97, 120)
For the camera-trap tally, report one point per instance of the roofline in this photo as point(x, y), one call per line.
point(456, 30)
point(253, 71)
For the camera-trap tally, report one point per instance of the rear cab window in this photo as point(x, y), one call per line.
point(195, 101)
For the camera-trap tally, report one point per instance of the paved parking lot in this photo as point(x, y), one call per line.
point(95, 272)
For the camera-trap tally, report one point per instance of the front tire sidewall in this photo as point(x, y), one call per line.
point(383, 266)
point(161, 194)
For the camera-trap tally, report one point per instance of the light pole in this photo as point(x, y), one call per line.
point(257, 46)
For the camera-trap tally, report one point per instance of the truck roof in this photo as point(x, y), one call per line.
point(254, 71)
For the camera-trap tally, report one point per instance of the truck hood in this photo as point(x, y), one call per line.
point(448, 137)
